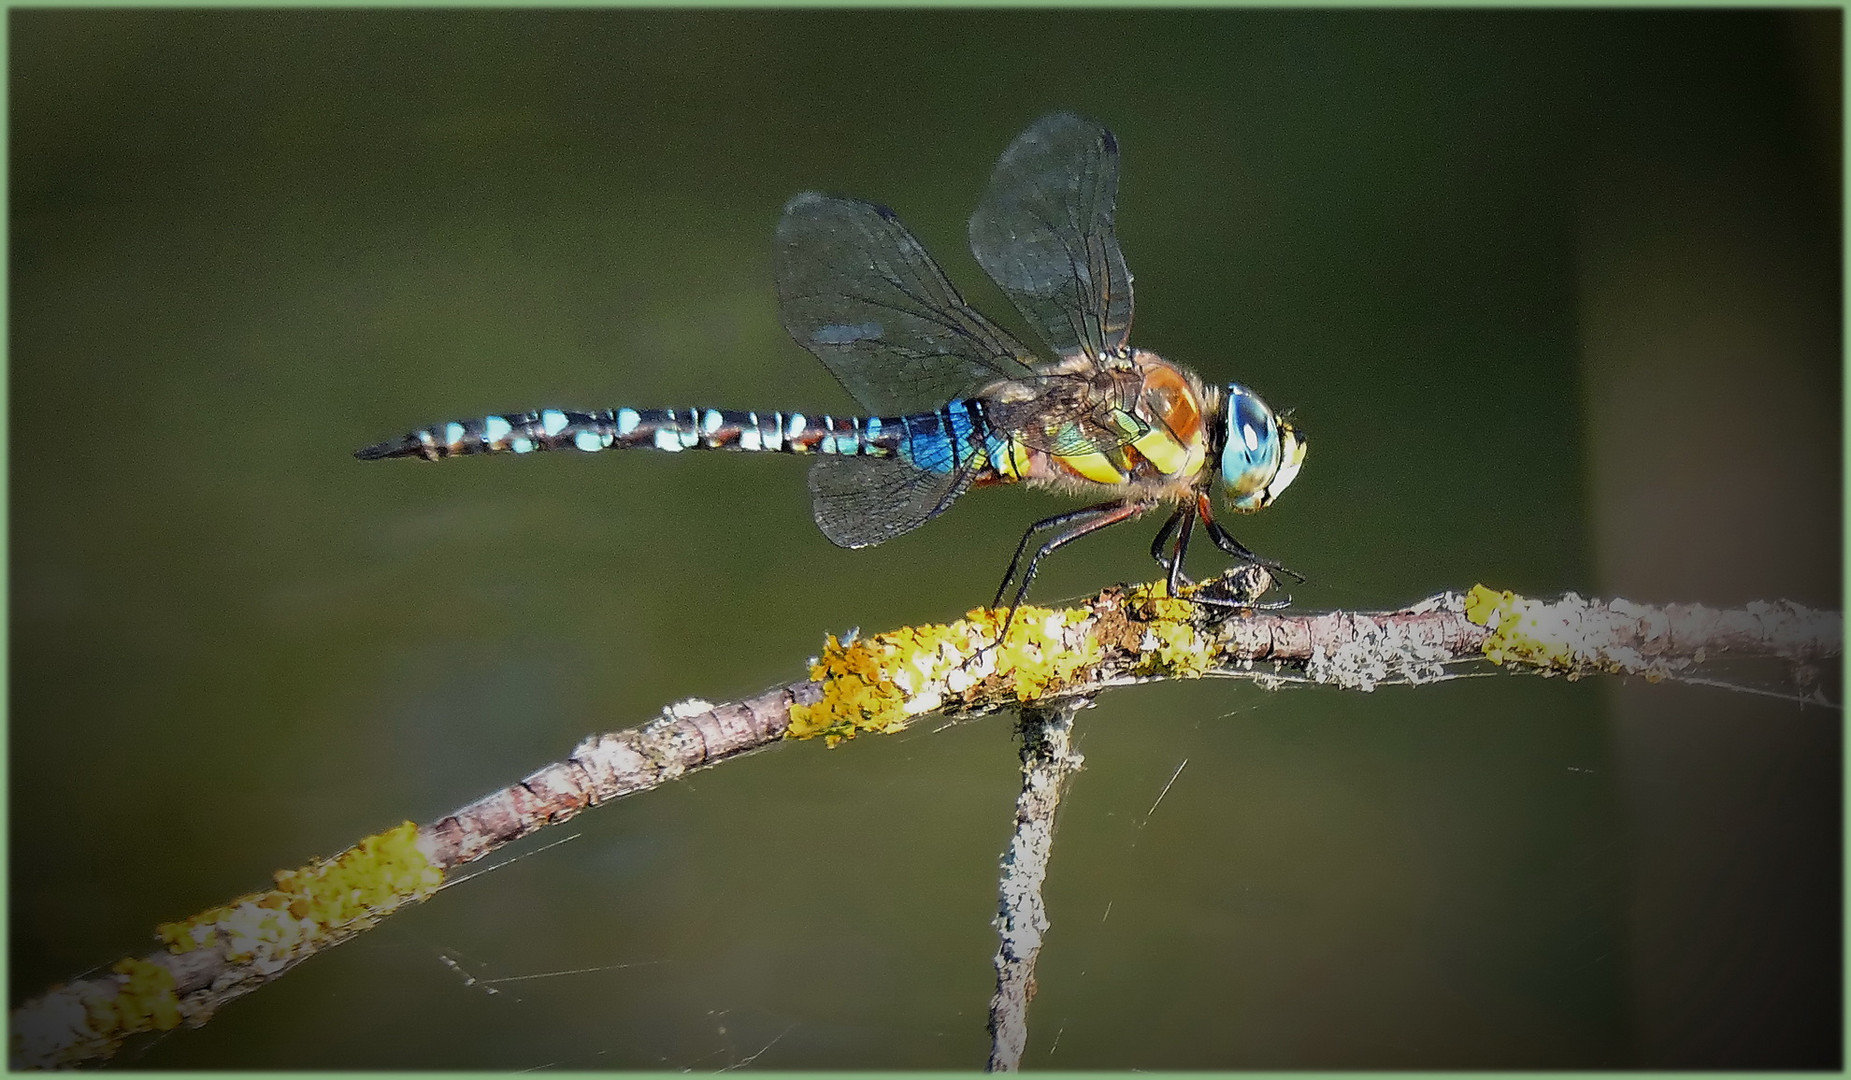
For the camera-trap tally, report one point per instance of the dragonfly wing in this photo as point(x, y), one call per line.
point(862, 501)
point(1044, 233)
point(856, 289)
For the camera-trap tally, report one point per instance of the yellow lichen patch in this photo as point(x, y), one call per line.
point(1047, 651)
point(858, 691)
point(1482, 604)
point(310, 908)
point(315, 905)
point(146, 1001)
point(1171, 644)
point(1153, 601)
point(1175, 648)
point(381, 872)
point(1528, 631)
point(881, 683)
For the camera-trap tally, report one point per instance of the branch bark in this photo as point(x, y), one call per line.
point(1052, 659)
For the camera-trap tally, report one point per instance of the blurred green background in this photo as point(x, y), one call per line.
point(1556, 295)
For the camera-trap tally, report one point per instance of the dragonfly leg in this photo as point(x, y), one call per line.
point(1180, 525)
point(1090, 520)
point(1098, 517)
point(1021, 548)
point(1239, 589)
point(1237, 549)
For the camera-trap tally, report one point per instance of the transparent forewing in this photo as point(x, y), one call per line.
point(862, 501)
point(856, 289)
point(1044, 233)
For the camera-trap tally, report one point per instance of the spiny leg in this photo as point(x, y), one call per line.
point(1240, 551)
point(1165, 533)
point(1180, 524)
point(1056, 521)
point(1096, 517)
point(1238, 588)
point(1234, 547)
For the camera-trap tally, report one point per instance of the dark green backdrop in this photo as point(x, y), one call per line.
point(1555, 294)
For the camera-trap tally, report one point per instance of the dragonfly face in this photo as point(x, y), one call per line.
point(953, 401)
point(1260, 453)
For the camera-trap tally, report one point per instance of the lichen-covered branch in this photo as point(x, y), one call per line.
point(879, 684)
point(1048, 760)
point(228, 951)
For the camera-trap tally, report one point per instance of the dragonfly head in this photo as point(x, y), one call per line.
point(1260, 453)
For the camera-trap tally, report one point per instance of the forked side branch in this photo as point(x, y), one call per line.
point(1049, 760)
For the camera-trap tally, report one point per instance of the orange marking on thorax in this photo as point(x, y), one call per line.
point(1172, 401)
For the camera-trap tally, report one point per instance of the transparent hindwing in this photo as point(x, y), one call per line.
point(861, 293)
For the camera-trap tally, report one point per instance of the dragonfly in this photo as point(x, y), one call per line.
point(951, 400)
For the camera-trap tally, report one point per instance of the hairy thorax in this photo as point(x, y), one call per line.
point(1137, 429)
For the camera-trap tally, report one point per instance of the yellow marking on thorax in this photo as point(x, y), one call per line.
point(1095, 467)
point(1015, 462)
point(1177, 444)
point(1163, 450)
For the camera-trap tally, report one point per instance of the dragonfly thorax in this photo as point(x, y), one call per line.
point(1260, 452)
point(1137, 430)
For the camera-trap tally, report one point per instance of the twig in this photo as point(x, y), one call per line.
point(1048, 760)
point(879, 684)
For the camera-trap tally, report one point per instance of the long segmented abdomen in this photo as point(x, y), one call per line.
point(956, 436)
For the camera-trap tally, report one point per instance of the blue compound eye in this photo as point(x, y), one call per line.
point(1250, 453)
